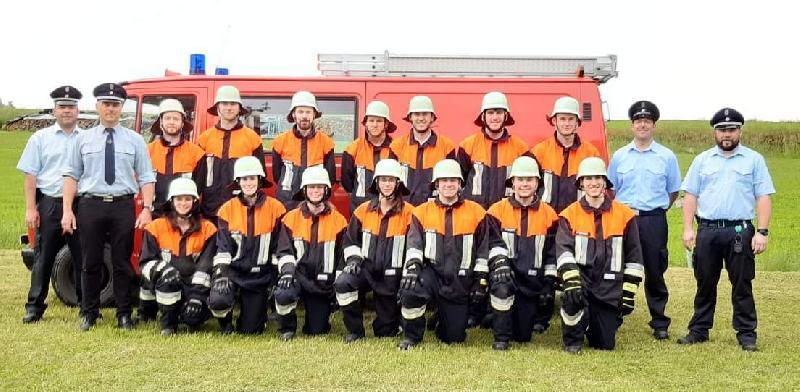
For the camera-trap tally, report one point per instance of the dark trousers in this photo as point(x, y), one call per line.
point(452, 325)
point(545, 313)
point(318, 309)
point(598, 325)
point(713, 246)
point(99, 222)
point(49, 241)
point(387, 311)
point(252, 308)
point(172, 315)
point(517, 323)
point(653, 236)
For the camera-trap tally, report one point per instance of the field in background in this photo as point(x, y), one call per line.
point(686, 138)
point(54, 355)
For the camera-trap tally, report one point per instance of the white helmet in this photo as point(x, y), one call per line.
point(303, 98)
point(420, 104)
point(567, 105)
point(592, 166)
point(389, 168)
point(379, 109)
point(228, 94)
point(523, 166)
point(247, 166)
point(166, 106)
point(446, 168)
point(182, 187)
point(313, 175)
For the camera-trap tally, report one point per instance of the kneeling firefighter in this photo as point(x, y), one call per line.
point(374, 247)
point(446, 260)
point(243, 267)
point(309, 256)
point(599, 262)
point(176, 258)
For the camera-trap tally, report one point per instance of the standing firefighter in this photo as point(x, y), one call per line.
point(177, 252)
point(646, 178)
point(172, 153)
point(107, 165)
point(243, 269)
point(724, 188)
point(41, 162)
point(309, 256)
point(487, 156)
point(223, 144)
point(521, 256)
point(361, 156)
point(421, 149)
point(374, 246)
point(299, 148)
point(445, 260)
point(599, 262)
point(559, 157)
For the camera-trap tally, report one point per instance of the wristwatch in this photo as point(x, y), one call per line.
point(764, 232)
point(148, 207)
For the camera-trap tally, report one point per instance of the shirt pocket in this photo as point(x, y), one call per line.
point(709, 173)
point(625, 173)
point(744, 175)
point(125, 154)
point(656, 172)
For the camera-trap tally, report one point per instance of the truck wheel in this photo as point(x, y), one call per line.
point(64, 283)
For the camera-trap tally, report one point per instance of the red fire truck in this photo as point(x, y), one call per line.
point(456, 84)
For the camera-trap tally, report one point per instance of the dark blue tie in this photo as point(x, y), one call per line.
point(110, 156)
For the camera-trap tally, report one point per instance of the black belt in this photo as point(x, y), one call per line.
point(721, 223)
point(657, 211)
point(58, 199)
point(109, 198)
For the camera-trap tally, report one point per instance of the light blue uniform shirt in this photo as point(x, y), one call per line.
point(643, 179)
point(86, 162)
point(44, 157)
point(727, 188)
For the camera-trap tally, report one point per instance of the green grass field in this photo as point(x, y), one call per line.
point(54, 355)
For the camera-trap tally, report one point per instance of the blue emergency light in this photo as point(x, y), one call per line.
point(197, 64)
point(220, 71)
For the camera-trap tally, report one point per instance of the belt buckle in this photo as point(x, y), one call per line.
point(108, 198)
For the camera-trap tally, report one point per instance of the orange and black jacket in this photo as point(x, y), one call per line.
point(485, 163)
point(378, 241)
point(170, 162)
point(358, 165)
point(313, 243)
point(603, 244)
point(292, 153)
point(451, 240)
point(215, 172)
point(191, 253)
point(418, 161)
point(525, 236)
point(247, 240)
point(559, 165)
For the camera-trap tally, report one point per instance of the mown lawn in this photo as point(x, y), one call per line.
point(54, 355)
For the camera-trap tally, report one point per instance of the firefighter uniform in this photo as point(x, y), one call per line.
point(486, 161)
point(309, 248)
point(726, 188)
point(644, 180)
point(42, 158)
point(361, 156)
point(525, 236)
point(376, 242)
point(447, 250)
point(165, 248)
point(222, 147)
point(418, 161)
point(293, 153)
point(172, 161)
point(597, 252)
point(559, 166)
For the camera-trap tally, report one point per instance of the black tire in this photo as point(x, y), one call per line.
point(64, 283)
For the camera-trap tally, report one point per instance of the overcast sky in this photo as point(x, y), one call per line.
point(689, 57)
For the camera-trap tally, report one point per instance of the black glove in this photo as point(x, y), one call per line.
point(410, 276)
point(147, 282)
point(573, 295)
point(626, 305)
point(193, 308)
point(548, 291)
point(222, 285)
point(353, 266)
point(502, 274)
point(480, 289)
point(169, 276)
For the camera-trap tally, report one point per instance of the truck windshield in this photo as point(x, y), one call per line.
point(268, 118)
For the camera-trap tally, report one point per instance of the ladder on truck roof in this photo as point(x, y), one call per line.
point(600, 68)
